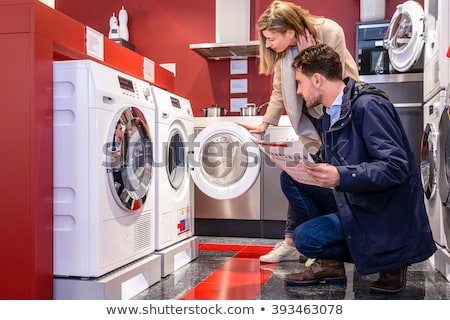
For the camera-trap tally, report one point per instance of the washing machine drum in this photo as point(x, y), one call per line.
point(130, 159)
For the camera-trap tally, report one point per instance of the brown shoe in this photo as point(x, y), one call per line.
point(391, 281)
point(321, 271)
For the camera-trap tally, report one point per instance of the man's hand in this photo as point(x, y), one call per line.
point(325, 174)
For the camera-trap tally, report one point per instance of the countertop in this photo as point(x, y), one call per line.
point(201, 122)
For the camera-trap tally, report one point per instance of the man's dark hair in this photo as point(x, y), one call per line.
point(320, 58)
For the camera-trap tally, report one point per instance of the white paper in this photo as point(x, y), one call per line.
point(239, 66)
point(237, 103)
point(94, 43)
point(291, 157)
point(238, 86)
point(149, 70)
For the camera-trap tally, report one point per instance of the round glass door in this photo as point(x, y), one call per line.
point(225, 161)
point(428, 160)
point(404, 39)
point(130, 159)
point(176, 159)
point(444, 157)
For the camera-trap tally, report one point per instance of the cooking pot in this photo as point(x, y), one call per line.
point(251, 109)
point(215, 111)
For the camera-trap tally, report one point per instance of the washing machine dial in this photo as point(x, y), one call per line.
point(146, 92)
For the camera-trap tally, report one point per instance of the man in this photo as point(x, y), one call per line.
point(370, 210)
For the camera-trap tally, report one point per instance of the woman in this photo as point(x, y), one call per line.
point(285, 29)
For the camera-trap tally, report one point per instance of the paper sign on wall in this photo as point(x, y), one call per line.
point(238, 86)
point(237, 103)
point(149, 70)
point(94, 44)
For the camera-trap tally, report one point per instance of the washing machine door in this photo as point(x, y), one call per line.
point(225, 162)
point(444, 158)
point(404, 38)
point(176, 157)
point(130, 154)
point(428, 160)
point(444, 170)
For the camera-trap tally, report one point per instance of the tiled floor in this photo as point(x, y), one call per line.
point(229, 269)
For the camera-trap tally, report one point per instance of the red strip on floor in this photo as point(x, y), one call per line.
point(240, 278)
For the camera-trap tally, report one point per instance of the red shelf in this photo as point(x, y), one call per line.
point(32, 36)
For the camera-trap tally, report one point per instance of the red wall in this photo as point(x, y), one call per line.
point(163, 30)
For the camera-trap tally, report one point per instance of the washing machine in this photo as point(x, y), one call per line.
point(436, 63)
point(104, 192)
point(413, 32)
point(174, 205)
point(225, 161)
point(429, 165)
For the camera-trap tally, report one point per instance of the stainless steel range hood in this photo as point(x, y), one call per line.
point(221, 51)
point(232, 33)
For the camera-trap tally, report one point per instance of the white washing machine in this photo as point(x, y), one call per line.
point(436, 63)
point(413, 32)
point(225, 161)
point(174, 200)
point(104, 196)
point(436, 77)
point(429, 165)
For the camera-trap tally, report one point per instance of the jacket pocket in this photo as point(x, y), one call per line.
point(372, 202)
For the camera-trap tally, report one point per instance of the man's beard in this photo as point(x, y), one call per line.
point(314, 100)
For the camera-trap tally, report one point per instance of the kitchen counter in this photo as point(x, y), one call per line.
point(201, 122)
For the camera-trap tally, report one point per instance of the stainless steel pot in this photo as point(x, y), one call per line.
point(251, 109)
point(215, 111)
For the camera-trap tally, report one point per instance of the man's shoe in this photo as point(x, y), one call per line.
point(281, 252)
point(321, 271)
point(392, 281)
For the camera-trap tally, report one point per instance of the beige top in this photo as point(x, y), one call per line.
point(284, 94)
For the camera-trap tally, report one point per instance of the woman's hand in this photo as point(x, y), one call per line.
point(305, 42)
point(254, 129)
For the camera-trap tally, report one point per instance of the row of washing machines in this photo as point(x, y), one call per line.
point(126, 157)
point(413, 32)
point(123, 211)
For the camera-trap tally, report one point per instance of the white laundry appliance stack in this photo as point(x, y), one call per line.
point(436, 99)
point(104, 190)
point(174, 125)
point(436, 68)
point(414, 32)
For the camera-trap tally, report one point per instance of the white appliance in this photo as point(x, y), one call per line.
point(404, 38)
point(174, 205)
point(225, 162)
point(414, 32)
point(436, 63)
point(429, 165)
point(436, 80)
point(239, 192)
point(104, 196)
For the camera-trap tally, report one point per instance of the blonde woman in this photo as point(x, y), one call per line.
point(285, 29)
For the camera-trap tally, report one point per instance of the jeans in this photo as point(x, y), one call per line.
point(313, 212)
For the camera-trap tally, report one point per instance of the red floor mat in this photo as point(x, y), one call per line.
point(240, 278)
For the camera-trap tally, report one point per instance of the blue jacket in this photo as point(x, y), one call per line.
point(380, 198)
